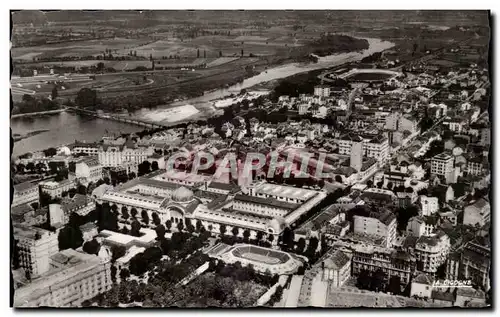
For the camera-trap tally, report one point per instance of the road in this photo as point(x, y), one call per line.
point(319, 291)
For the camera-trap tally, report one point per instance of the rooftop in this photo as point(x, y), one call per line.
point(285, 191)
point(442, 156)
point(24, 186)
point(266, 201)
point(70, 263)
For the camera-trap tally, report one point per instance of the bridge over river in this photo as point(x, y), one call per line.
point(117, 118)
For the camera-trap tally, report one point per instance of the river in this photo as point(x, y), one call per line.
point(67, 127)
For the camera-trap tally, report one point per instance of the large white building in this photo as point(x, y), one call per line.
point(35, 247)
point(442, 165)
point(73, 278)
point(89, 168)
point(120, 152)
point(372, 146)
point(432, 251)
point(429, 205)
point(477, 213)
point(322, 91)
point(337, 268)
point(55, 189)
point(258, 207)
point(398, 122)
point(379, 224)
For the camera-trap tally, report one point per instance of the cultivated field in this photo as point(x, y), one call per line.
point(119, 46)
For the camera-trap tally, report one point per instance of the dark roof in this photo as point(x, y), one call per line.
point(78, 201)
point(20, 209)
point(410, 242)
point(90, 161)
point(428, 240)
point(424, 279)
point(444, 296)
point(369, 162)
point(338, 260)
point(84, 144)
point(352, 137)
point(222, 186)
point(386, 218)
point(266, 201)
point(24, 186)
point(88, 226)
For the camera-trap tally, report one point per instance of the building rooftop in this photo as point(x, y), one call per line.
point(337, 260)
point(180, 176)
point(28, 232)
point(424, 279)
point(266, 201)
point(69, 263)
point(444, 296)
point(91, 161)
point(285, 191)
point(24, 186)
point(115, 238)
point(89, 226)
point(442, 156)
point(78, 201)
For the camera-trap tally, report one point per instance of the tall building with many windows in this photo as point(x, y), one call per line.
point(35, 246)
point(442, 165)
point(73, 278)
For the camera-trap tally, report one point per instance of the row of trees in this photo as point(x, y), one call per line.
point(30, 104)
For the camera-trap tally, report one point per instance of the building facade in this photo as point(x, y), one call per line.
point(442, 165)
point(89, 168)
point(35, 247)
point(73, 278)
point(25, 193)
point(381, 225)
point(432, 251)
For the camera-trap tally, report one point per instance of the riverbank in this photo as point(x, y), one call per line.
point(18, 137)
point(34, 114)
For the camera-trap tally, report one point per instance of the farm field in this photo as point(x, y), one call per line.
point(117, 65)
point(78, 48)
point(277, 44)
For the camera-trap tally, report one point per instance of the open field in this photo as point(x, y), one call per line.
point(274, 44)
point(78, 48)
point(117, 65)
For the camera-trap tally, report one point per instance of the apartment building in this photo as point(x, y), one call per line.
point(73, 278)
point(428, 205)
point(337, 269)
point(442, 165)
point(89, 168)
point(477, 213)
point(432, 251)
point(116, 154)
point(390, 261)
point(89, 148)
point(35, 247)
point(322, 91)
point(377, 224)
point(25, 193)
point(376, 147)
point(476, 262)
point(55, 189)
point(477, 165)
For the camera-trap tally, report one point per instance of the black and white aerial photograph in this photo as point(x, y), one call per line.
point(250, 159)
